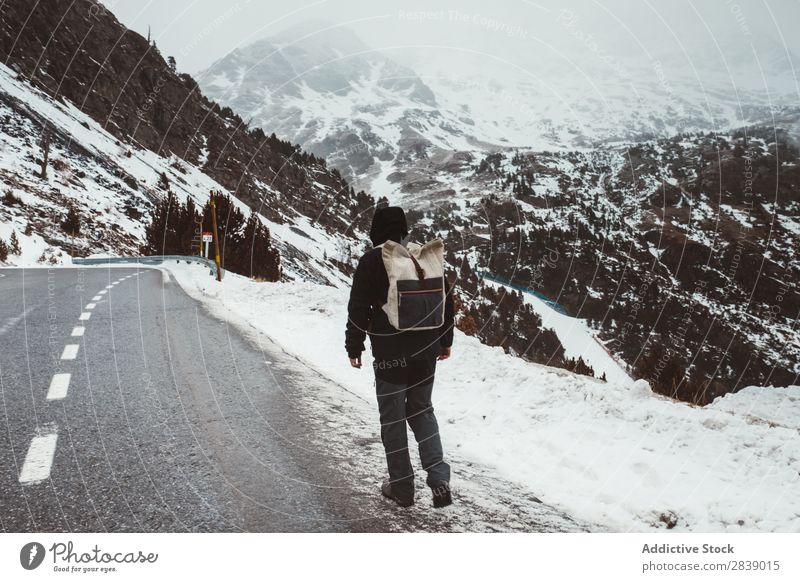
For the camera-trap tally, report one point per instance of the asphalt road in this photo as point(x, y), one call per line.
point(125, 406)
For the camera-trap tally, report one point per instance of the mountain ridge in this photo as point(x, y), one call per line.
point(480, 104)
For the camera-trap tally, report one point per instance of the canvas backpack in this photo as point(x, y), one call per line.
point(416, 297)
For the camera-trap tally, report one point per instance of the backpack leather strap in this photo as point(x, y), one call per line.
point(419, 269)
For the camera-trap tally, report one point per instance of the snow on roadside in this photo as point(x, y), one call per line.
point(607, 453)
point(779, 406)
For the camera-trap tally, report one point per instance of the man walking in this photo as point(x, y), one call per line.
point(410, 324)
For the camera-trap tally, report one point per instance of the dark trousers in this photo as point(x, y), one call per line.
point(404, 396)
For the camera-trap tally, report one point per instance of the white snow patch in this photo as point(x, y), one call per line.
point(577, 338)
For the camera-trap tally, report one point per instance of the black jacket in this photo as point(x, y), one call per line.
point(368, 294)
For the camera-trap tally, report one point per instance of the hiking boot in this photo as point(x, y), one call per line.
point(441, 494)
point(386, 491)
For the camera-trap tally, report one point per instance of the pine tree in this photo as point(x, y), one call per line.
point(163, 181)
point(186, 230)
point(3, 251)
point(230, 224)
point(14, 247)
point(247, 254)
point(45, 145)
point(245, 246)
point(268, 266)
point(156, 235)
point(72, 223)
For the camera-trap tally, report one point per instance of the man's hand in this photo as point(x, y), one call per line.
point(355, 362)
point(444, 353)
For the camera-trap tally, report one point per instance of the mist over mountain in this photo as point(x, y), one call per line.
point(370, 116)
point(321, 85)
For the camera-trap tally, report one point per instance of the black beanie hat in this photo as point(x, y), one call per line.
point(388, 223)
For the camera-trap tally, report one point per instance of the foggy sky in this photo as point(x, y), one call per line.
point(198, 32)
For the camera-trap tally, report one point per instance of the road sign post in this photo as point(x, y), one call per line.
point(207, 239)
point(215, 235)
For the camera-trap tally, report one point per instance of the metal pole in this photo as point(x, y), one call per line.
point(215, 235)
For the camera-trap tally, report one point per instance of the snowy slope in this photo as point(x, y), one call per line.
point(578, 340)
point(113, 185)
point(608, 453)
point(605, 233)
point(322, 87)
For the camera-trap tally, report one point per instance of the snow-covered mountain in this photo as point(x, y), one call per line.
point(116, 147)
point(111, 184)
point(629, 237)
point(679, 253)
point(371, 117)
point(321, 86)
point(609, 181)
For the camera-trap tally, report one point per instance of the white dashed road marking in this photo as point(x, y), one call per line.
point(103, 292)
point(108, 286)
point(78, 331)
point(70, 352)
point(39, 459)
point(96, 298)
point(58, 386)
point(85, 315)
point(91, 305)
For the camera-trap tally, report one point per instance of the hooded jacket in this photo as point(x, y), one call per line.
point(370, 291)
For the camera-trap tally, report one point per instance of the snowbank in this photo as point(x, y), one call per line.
point(609, 453)
point(780, 406)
